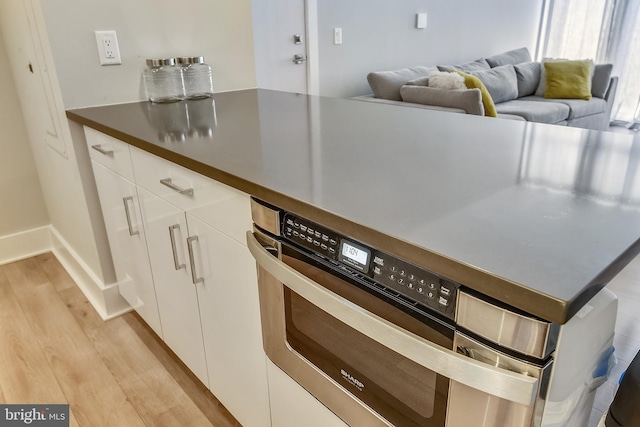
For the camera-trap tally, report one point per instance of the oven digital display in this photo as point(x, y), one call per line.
point(355, 255)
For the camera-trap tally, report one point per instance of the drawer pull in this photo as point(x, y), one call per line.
point(126, 201)
point(101, 150)
point(186, 191)
point(172, 236)
point(192, 260)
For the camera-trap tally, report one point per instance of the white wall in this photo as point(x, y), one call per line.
point(218, 29)
point(381, 35)
point(22, 205)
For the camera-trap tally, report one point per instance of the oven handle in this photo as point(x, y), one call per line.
point(498, 382)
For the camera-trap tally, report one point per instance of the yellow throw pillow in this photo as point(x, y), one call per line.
point(568, 79)
point(472, 82)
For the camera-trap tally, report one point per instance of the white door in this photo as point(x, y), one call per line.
point(284, 57)
point(230, 314)
point(166, 230)
point(126, 234)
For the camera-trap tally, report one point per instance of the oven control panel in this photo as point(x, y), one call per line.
point(416, 283)
point(411, 281)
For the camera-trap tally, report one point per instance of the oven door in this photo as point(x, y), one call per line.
point(367, 361)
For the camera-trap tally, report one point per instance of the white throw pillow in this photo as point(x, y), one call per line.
point(445, 80)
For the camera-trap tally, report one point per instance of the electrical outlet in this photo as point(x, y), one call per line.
point(108, 49)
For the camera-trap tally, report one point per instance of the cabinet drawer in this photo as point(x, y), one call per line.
point(109, 152)
point(218, 205)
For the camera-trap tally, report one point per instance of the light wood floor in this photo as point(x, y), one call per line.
point(54, 348)
point(626, 286)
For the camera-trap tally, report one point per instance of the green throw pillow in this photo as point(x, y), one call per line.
point(472, 82)
point(568, 79)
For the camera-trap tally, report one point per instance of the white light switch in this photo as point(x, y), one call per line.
point(337, 36)
point(421, 20)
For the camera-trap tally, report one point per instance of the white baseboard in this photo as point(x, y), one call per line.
point(25, 244)
point(105, 298)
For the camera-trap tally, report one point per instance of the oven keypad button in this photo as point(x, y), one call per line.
point(303, 227)
point(316, 243)
point(431, 295)
point(309, 239)
point(379, 261)
point(443, 301)
point(411, 285)
point(401, 281)
point(420, 290)
point(445, 291)
point(332, 251)
point(333, 242)
point(323, 246)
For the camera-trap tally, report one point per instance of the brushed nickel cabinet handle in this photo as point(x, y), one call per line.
point(172, 236)
point(192, 260)
point(126, 201)
point(167, 182)
point(101, 150)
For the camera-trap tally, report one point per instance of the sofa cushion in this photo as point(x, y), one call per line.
point(580, 107)
point(601, 79)
point(535, 110)
point(420, 81)
point(501, 82)
point(513, 57)
point(477, 65)
point(528, 74)
point(473, 82)
point(542, 85)
point(568, 79)
point(469, 100)
point(387, 84)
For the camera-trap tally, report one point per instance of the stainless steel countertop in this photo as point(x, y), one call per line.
point(537, 216)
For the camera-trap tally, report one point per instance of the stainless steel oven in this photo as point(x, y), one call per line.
point(380, 341)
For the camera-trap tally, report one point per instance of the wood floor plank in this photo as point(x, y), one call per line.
point(55, 348)
point(91, 390)
point(25, 375)
point(201, 396)
point(152, 391)
point(56, 274)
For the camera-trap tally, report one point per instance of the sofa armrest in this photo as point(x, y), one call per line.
point(371, 98)
point(610, 97)
point(470, 100)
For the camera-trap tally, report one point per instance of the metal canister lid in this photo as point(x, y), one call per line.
point(190, 60)
point(160, 62)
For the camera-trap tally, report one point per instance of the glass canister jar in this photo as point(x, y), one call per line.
point(163, 80)
point(198, 80)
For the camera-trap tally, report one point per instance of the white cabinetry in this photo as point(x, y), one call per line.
point(213, 262)
point(126, 234)
point(194, 258)
point(229, 309)
point(167, 231)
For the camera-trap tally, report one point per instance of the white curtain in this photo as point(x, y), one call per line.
point(606, 31)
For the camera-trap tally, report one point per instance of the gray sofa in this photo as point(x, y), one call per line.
point(517, 87)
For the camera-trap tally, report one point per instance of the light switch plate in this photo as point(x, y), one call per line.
point(421, 21)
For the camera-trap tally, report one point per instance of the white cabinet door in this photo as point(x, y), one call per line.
point(121, 211)
point(229, 309)
point(293, 406)
point(166, 229)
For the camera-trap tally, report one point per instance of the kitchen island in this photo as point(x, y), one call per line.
point(538, 217)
